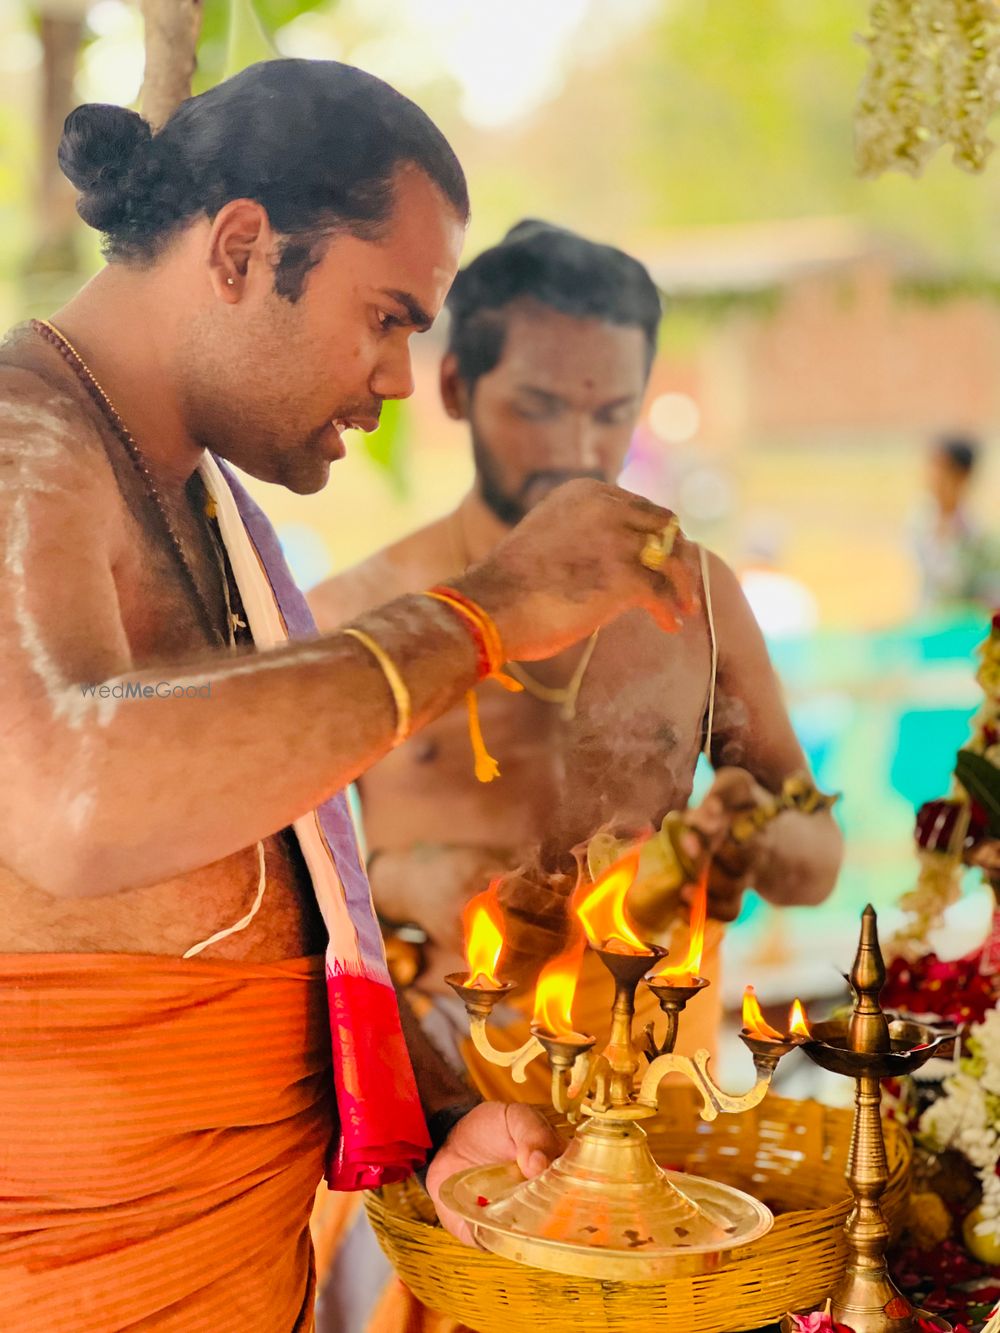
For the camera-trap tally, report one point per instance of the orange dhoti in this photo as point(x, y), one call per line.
point(164, 1130)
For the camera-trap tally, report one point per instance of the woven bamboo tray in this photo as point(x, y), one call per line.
point(789, 1154)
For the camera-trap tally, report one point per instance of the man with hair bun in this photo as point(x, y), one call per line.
point(179, 1064)
point(550, 344)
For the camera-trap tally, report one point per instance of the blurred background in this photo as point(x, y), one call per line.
point(822, 332)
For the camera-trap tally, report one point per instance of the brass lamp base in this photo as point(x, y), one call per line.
point(869, 1048)
point(604, 1209)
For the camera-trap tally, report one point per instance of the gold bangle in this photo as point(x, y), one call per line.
point(400, 694)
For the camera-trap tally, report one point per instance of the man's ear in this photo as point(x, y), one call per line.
point(240, 248)
point(454, 390)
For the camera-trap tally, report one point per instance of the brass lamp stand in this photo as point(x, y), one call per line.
point(869, 1047)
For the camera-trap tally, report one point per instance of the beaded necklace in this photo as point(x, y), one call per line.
point(85, 375)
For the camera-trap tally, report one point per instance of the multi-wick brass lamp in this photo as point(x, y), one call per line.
point(604, 1208)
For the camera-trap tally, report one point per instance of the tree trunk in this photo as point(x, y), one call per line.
point(55, 212)
point(172, 28)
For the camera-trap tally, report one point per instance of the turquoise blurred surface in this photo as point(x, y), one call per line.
point(880, 716)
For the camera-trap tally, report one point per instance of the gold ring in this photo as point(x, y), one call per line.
point(669, 537)
point(659, 546)
point(652, 555)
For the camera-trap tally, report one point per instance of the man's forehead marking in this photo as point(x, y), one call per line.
point(552, 396)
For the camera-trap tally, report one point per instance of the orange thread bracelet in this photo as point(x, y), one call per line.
point(489, 659)
point(475, 624)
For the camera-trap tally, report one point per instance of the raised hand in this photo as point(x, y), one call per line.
point(734, 793)
point(574, 564)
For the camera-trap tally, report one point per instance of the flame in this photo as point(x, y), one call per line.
point(691, 965)
point(555, 990)
point(753, 1019)
point(482, 922)
point(600, 907)
point(798, 1024)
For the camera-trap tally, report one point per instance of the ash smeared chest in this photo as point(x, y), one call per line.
point(630, 753)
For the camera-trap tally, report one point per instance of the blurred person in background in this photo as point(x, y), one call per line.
point(958, 558)
point(550, 345)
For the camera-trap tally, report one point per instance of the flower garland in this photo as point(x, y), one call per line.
point(946, 829)
point(967, 1118)
point(933, 79)
point(894, 126)
point(958, 1115)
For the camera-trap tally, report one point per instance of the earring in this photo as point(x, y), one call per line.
point(230, 282)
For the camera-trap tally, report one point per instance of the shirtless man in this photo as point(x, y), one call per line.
point(550, 346)
point(167, 1117)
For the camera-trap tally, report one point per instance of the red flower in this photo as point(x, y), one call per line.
point(817, 1321)
point(936, 821)
point(955, 991)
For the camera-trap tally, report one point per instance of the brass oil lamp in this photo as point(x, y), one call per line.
point(604, 1208)
point(870, 1046)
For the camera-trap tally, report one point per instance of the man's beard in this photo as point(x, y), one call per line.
point(510, 509)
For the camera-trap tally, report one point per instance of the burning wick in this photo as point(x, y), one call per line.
point(482, 923)
point(600, 908)
point(798, 1024)
point(691, 966)
point(555, 991)
point(754, 1023)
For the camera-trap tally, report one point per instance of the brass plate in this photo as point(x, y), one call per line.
point(745, 1219)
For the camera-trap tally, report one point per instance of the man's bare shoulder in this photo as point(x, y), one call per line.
point(44, 430)
point(415, 562)
point(723, 583)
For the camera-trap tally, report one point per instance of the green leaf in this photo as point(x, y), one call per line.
point(237, 33)
point(388, 447)
point(248, 42)
point(981, 780)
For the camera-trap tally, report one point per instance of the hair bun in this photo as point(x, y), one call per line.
point(530, 228)
point(99, 146)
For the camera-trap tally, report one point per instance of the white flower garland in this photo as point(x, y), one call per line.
point(967, 1117)
point(932, 79)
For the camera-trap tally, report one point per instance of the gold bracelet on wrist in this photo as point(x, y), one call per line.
point(400, 694)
